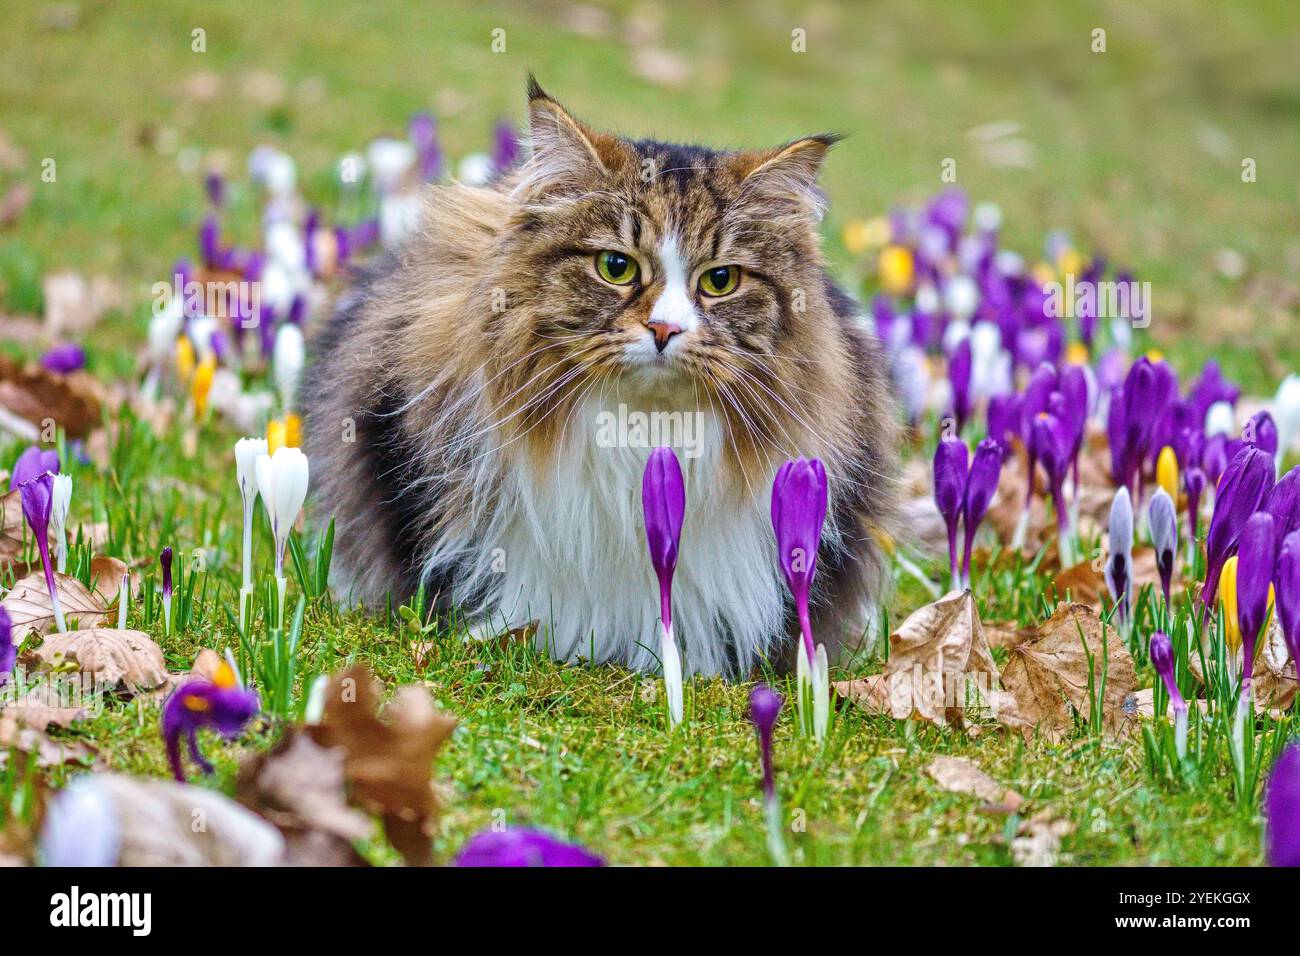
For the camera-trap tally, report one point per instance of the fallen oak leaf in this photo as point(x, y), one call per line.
point(387, 762)
point(300, 787)
point(933, 657)
point(1048, 674)
point(115, 658)
point(30, 610)
point(958, 775)
point(16, 736)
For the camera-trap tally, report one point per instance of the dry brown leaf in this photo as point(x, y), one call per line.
point(52, 700)
point(934, 655)
point(30, 610)
point(1048, 674)
point(871, 694)
point(115, 658)
point(106, 575)
point(957, 775)
point(1006, 635)
point(36, 394)
point(17, 736)
point(300, 787)
point(1081, 583)
point(388, 760)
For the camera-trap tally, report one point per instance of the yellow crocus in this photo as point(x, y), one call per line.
point(863, 235)
point(1155, 355)
point(1069, 262)
point(1043, 273)
point(1228, 599)
point(201, 384)
point(292, 430)
point(1167, 472)
point(896, 269)
point(276, 433)
point(1076, 353)
point(184, 358)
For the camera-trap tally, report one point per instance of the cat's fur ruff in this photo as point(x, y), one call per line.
point(473, 364)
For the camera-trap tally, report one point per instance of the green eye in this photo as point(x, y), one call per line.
point(616, 268)
point(720, 281)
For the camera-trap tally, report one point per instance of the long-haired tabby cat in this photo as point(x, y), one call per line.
point(488, 366)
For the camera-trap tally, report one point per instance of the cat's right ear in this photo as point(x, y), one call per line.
point(567, 157)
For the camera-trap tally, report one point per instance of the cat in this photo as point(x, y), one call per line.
point(475, 411)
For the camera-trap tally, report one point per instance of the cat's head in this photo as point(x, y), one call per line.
point(667, 267)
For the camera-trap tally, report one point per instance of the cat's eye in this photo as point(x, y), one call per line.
point(720, 280)
point(616, 268)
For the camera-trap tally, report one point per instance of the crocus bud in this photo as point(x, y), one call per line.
point(282, 483)
point(1261, 432)
point(1286, 411)
point(1282, 808)
point(61, 499)
point(8, 652)
point(1283, 503)
point(247, 451)
point(165, 561)
point(951, 463)
point(981, 486)
point(764, 708)
point(799, 498)
point(663, 501)
point(1119, 563)
point(1162, 659)
point(37, 496)
point(64, 359)
point(31, 463)
point(1228, 598)
point(1287, 576)
point(1220, 419)
point(1255, 565)
point(1163, 520)
point(1196, 482)
point(1246, 481)
point(1004, 420)
point(1167, 472)
point(287, 361)
point(959, 375)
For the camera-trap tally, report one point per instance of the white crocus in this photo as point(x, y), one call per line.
point(282, 483)
point(390, 160)
point(1220, 419)
point(286, 360)
point(1286, 413)
point(962, 297)
point(60, 499)
point(247, 451)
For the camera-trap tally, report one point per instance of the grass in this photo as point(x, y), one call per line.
point(1128, 156)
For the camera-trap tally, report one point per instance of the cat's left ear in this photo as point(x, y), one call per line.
point(788, 173)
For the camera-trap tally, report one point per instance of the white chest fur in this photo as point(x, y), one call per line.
point(568, 550)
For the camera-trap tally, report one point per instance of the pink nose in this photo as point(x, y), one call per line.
point(663, 331)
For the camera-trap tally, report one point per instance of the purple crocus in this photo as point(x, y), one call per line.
point(1283, 503)
point(220, 704)
point(1194, 481)
point(8, 651)
point(37, 496)
point(210, 242)
point(959, 376)
point(799, 498)
point(663, 500)
point(1050, 441)
point(165, 560)
point(1287, 578)
point(764, 707)
point(31, 463)
point(65, 358)
point(981, 486)
point(1261, 431)
point(951, 464)
point(1255, 564)
point(1242, 489)
point(1004, 420)
point(1282, 808)
point(1162, 659)
point(523, 847)
point(215, 185)
point(1162, 519)
point(505, 147)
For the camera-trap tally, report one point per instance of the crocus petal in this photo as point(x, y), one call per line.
point(64, 359)
point(1242, 489)
point(1287, 577)
point(32, 462)
point(1162, 659)
point(764, 708)
point(517, 847)
point(1163, 521)
point(1261, 431)
point(1254, 577)
point(8, 652)
point(1283, 503)
point(1282, 809)
point(165, 560)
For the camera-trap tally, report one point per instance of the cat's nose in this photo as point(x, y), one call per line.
point(663, 331)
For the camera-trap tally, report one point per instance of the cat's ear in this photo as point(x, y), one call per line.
point(567, 156)
point(787, 173)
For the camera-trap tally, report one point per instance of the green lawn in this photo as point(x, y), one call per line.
point(1136, 151)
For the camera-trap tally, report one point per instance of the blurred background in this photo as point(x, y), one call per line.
point(1136, 150)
